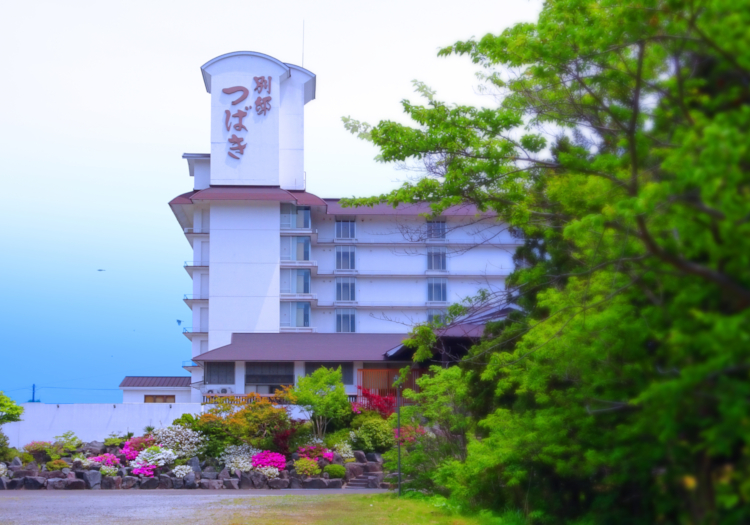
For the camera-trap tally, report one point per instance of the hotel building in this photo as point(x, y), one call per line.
point(285, 281)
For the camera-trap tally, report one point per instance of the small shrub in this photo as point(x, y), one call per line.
point(315, 452)
point(108, 470)
point(181, 471)
point(349, 460)
point(359, 419)
point(57, 464)
point(36, 446)
point(335, 471)
point(109, 460)
point(268, 472)
point(114, 440)
point(26, 458)
point(269, 459)
point(344, 450)
point(147, 430)
point(375, 435)
point(334, 438)
point(3, 470)
point(133, 446)
point(184, 441)
point(307, 467)
point(238, 457)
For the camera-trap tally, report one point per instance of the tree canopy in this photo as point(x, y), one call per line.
point(9, 410)
point(619, 145)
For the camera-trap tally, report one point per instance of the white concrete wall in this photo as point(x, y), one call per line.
point(42, 422)
point(244, 285)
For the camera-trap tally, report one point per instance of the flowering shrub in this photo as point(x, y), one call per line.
point(315, 452)
point(85, 463)
point(184, 441)
point(384, 405)
point(107, 470)
point(135, 445)
point(109, 460)
point(357, 408)
point(151, 458)
point(55, 464)
point(269, 472)
point(238, 457)
point(182, 471)
point(375, 435)
point(335, 471)
point(307, 467)
point(269, 459)
point(409, 434)
point(3, 470)
point(344, 450)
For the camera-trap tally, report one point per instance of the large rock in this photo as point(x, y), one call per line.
point(209, 468)
point(94, 447)
point(111, 482)
point(284, 474)
point(195, 464)
point(16, 462)
point(189, 481)
point(149, 483)
point(337, 459)
point(374, 456)
point(245, 481)
point(56, 483)
point(224, 474)
point(295, 483)
point(121, 472)
point(65, 471)
point(373, 467)
point(353, 470)
point(323, 463)
point(178, 483)
point(53, 474)
point(74, 484)
point(258, 480)
point(289, 465)
point(4, 483)
point(130, 482)
point(165, 482)
point(278, 483)
point(335, 483)
point(93, 479)
point(23, 473)
point(212, 484)
point(231, 483)
point(373, 482)
point(15, 484)
point(34, 482)
point(207, 474)
point(314, 483)
point(360, 457)
point(32, 466)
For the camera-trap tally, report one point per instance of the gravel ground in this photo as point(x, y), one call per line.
point(134, 506)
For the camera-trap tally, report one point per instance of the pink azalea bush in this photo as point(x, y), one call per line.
point(269, 459)
point(134, 446)
point(315, 452)
point(145, 470)
point(109, 460)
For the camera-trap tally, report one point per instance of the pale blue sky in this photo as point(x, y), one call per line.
point(98, 103)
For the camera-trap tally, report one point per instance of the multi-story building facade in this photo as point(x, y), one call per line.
point(285, 281)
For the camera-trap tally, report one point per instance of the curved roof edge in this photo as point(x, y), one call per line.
point(311, 85)
point(207, 75)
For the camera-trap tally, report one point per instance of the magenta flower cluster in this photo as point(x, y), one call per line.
point(315, 452)
point(109, 460)
point(130, 453)
point(145, 470)
point(269, 459)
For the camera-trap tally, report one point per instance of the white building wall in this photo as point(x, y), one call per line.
point(135, 395)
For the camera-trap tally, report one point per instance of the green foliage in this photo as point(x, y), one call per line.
point(114, 440)
point(374, 435)
point(6, 453)
point(26, 458)
point(218, 438)
point(147, 430)
point(322, 396)
point(350, 460)
point(366, 415)
point(335, 471)
point(63, 445)
point(618, 392)
point(334, 438)
point(307, 467)
point(57, 464)
point(9, 410)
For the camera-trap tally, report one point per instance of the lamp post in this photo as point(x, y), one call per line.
point(398, 427)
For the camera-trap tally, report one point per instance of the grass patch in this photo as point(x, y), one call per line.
point(381, 509)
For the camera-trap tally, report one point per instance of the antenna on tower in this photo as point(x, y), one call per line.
point(303, 42)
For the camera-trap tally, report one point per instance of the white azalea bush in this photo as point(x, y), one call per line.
point(108, 471)
point(151, 458)
point(238, 457)
point(3, 470)
point(183, 441)
point(85, 463)
point(182, 471)
point(270, 472)
point(344, 450)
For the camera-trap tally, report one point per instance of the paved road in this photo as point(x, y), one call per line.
point(52, 507)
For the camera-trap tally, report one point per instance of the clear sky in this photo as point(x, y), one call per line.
point(99, 100)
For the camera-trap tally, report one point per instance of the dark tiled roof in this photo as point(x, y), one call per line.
point(304, 347)
point(156, 381)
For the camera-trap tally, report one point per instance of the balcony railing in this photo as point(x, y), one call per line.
point(380, 381)
point(190, 364)
point(241, 399)
point(195, 231)
point(189, 330)
point(194, 297)
point(195, 263)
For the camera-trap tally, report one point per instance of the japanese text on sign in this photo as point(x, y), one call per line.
point(262, 107)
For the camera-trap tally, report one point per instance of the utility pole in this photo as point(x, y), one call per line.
point(33, 393)
point(398, 426)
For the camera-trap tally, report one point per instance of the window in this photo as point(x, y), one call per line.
point(158, 399)
point(436, 316)
point(436, 289)
point(436, 258)
point(346, 228)
point(295, 314)
point(295, 281)
point(436, 229)
point(347, 370)
point(345, 288)
point(345, 320)
point(270, 373)
point(295, 248)
point(219, 374)
point(294, 217)
point(345, 257)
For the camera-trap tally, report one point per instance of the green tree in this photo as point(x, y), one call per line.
point(9, 410)
point(620, 146)
point(321, 395)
